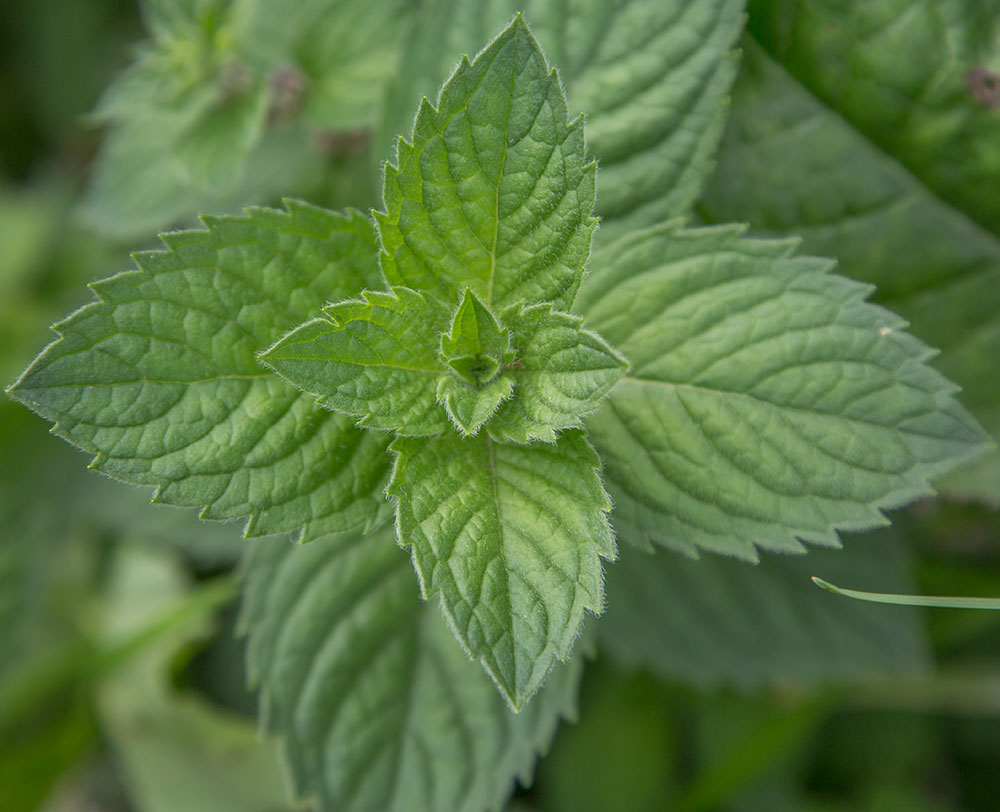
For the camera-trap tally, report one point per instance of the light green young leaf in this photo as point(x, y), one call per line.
point(719, 622)
point(376, 357)
point(494, 192)
point(475, 346)
point(511, 536)
point(768, 404)
point(471, 406)
point(376, 705)
point(560, 372)
point(650, 75)
point(159, 378)
point(889, 190)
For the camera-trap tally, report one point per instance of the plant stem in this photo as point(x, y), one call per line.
point(910, 600)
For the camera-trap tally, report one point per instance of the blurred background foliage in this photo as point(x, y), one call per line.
point(717, 686)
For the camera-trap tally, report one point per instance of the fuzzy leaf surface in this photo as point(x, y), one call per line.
point(560, 372)
point(768, 404)
point(476, 346)
point(159, 380)
point(650, 75)
point(470, 407)
point(511, 537)
point(376, 357)
point(494, 192)
point(904, 192)
point(376, 705)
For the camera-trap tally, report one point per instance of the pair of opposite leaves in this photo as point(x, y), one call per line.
point(766, 402)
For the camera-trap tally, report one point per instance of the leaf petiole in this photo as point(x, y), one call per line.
point(942, 602)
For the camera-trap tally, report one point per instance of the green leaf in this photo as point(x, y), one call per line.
point(376, 357)
point(135, 190)
point(469, 407)
point(159, 378)
point(377, 706)
point(768, 404)
point(494, 192)
point(511, 537)
point(346, 51)
point(913, 79)
point(233, 103)
point(560, 373)
point(651, 76)
point(174, 750)
point(476, 346)
point(900, 192)
point(717, 621)
point(212, 152)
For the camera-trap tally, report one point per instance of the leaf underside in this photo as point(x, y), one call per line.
point(376, 705)
point(159, 378)
point(511, 537)
point(768, 404)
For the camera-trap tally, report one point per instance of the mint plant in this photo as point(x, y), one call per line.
point(467, 357)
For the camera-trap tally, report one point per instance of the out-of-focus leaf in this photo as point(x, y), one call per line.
point(621, 754)
point(235, 103)
point(378, 707)
point(863, 138)
point(719, 621)
point(346, 52)
point(175, 752)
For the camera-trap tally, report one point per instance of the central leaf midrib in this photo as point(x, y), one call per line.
point(496, 193)
point(492, 464)
point(379, 365)
point(766, 403)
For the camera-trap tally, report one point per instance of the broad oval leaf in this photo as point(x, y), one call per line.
point(476, 348)
point(511, 537)
point(493, 191)
point(377, 707)
point(768, 403)
point(159, 378)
